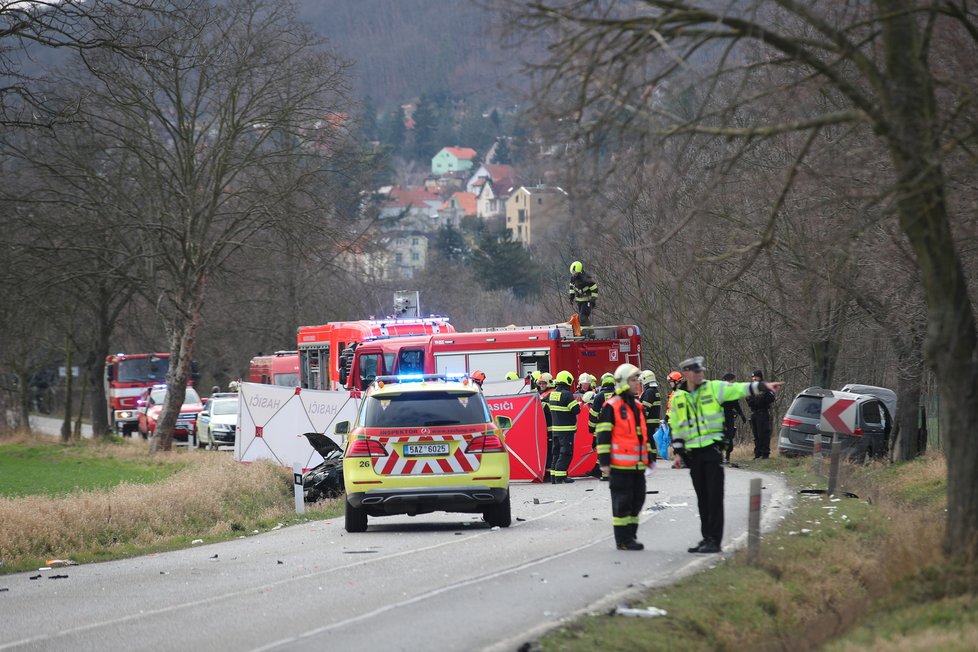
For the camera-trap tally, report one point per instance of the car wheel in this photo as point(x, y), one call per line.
point(356, 518)
point(499, 514)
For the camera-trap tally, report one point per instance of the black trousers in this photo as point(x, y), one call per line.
point(563, 451)
point(706, 471)
point(760, 423)
point(584, 312)
point(627, 499)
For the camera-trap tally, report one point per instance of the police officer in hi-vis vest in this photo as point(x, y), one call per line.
point(696, 419)
point(624, 453)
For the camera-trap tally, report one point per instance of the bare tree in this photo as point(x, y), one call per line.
point(197, 137)
point(610, 71)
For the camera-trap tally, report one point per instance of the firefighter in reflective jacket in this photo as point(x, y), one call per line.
point(624, 454)
point(606, 389)
point(651, 401)
point(563, 408)
point(696, 419)
point(582, 292)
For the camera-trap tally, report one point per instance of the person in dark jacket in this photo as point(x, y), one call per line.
point(606, 389)
point(563, 409)
point(760, 418)
point(731, 410)
point(582, 292)
point(624, 453)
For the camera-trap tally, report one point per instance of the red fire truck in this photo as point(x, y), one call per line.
point(126, 377)
point(321, 348)
point(498, 351)
point(280, 368)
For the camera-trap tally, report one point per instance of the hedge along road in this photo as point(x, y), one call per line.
point(435, 581)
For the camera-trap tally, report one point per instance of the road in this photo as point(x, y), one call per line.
point(432, 582)
point(52, 426)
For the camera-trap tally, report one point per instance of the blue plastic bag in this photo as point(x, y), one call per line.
point(663, 437)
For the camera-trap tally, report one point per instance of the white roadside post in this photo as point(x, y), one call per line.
point(838, 417)
point(300, 505)
point(754, 522)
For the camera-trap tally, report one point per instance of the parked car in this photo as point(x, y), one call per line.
point(800, 425)
point(150, 404)
point(422, 444)
point(326, 479)
point(218, 421)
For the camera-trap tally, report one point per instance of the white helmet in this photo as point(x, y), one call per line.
point(622, 374)
point(546, 377)
point(647, 377)
point(588, 397)
point(584, 378)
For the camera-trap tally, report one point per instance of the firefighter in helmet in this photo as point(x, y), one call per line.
point(478, 377)
point(582, 292)
point(563, 408)
point(624, 454)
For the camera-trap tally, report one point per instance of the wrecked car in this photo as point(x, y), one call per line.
point(326, 479)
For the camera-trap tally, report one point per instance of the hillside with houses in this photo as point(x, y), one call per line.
point(463, 201)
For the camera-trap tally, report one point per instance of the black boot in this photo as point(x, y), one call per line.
point(631, 545)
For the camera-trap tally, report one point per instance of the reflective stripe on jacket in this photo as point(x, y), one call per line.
point(563, 411)
point(697, 417)
point(653, 406)
point(623, 437)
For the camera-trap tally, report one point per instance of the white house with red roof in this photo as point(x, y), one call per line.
point(453, 159)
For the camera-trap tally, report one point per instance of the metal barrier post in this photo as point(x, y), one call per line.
point(300, 505)
point(817, 452)
point(754, 522)
point(834, 464)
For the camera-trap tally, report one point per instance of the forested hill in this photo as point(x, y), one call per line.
point(403, 48)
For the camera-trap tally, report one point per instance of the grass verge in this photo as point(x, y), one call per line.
point(199, 495)
point(856, 573)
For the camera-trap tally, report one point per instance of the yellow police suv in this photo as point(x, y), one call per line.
point(425, 443)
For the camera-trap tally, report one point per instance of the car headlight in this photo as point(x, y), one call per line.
point(221, 427)
point(125, 414)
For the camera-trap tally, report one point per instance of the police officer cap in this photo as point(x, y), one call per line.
point(692, 364)
point(729, 376)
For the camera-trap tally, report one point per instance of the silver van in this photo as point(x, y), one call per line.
point(799, 425)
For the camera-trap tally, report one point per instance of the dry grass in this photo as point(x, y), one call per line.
point(832, 566)
point(213, 497)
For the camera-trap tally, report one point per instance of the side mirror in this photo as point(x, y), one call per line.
point(503, 422)
point(342, 428)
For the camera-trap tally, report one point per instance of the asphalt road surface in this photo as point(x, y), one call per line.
point(431, 582)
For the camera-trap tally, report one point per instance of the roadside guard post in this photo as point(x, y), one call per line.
point(300, 505)
point(754, 522)
point(839, 418)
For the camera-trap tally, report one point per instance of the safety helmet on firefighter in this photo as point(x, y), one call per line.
point(594, 380)
point(478, 376)
point(576, 267)
point(512, 375)
point(647, 377)
point(607, 379)
point(588, 397)
point(675, 376)
point(623, 374)
point(535, 375)
point(565, 377)
point(545, 377)
point(584, 378)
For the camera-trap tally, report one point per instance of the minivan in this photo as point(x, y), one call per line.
point(800, 424)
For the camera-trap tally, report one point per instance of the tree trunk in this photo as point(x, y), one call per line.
point(825, 353)
point(905, 444)
point(24, 399)
point(183, 337)
point(951, 347)
point(76, 433)
point(95, 365)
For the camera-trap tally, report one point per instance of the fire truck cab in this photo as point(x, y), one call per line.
point(280, 368)
point(127, 376)
point(496, 352)
point(322, 348)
